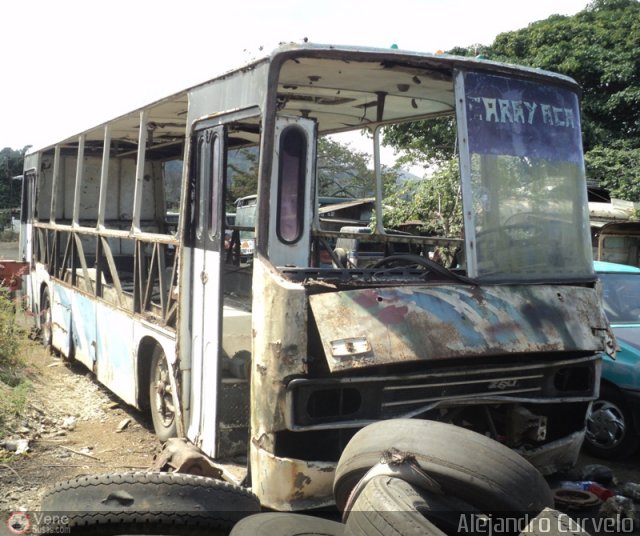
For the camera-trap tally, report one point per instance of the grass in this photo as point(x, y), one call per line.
point(14, 386)
point(13, 404)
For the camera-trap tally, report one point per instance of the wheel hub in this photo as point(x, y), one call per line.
point(605, 425)
point(164, 394)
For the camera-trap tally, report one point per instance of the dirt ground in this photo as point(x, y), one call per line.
point(74, 427)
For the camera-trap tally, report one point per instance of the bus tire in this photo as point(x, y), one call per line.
point(147, 503)
point(286, 524)
point(161, 399)
point(46, 335)
point(389, 505)
point(467, 465)
point(551, 522)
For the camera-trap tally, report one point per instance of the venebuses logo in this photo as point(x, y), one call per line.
point(37, 523)
point(19, 523)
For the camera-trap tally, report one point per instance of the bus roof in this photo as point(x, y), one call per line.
point(168, 117)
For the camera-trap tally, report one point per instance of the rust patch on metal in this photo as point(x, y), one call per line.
point(393, 315)
point(60, 327)
point(367, 299)
point(443, 322)
point(276, 348)
point(301, 480)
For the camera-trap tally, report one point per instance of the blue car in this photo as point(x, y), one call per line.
point(613, 425)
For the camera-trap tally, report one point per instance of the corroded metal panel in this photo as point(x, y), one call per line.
point(279, 333)
point(292, 485)
point(235, 91)
point(555, 456)
point(367, 327)
point(116, 365)
point(61, 305)
point(83, 328)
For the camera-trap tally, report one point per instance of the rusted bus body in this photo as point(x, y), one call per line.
point(290, 352)
point(503, 360)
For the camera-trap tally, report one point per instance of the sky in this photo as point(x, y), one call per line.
point(69, 65)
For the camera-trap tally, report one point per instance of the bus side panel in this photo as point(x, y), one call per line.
point(37, 278)
point(116, 352)
point(83, 328)
point(60, 317)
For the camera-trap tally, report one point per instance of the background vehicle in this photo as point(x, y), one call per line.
point(245, 220)
point(614, 422)
point(363, 251)
point(617, 242)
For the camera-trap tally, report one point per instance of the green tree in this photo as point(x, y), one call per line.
point(598, 47)
point(427, 142)
point(342, 171)
point(617, 169)
point(346, 172)
point(11, 163)
point(436, 202)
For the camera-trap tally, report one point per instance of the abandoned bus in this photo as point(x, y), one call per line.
point(269, 367)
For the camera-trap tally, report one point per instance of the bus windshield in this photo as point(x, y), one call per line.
point(527, 184)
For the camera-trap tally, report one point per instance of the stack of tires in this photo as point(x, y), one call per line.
point(437, 479)
point(409, 477)
point(398, 477)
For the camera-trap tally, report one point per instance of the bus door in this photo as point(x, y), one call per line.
point(205, 229)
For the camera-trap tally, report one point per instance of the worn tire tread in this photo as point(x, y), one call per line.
point(478, 470)
point(387, 506)
point(286, 524)
point(178, 501)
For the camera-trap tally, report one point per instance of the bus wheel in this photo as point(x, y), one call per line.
point(161, 402)
point(390, 505)
point(147, 503)
point(467, 465)
point(286, 524)
point(45, 318)
point(610, 432)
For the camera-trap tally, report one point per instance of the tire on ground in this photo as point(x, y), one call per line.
point(140, 502)
point(391, 506)
point(286, 524)
point(467, 465)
